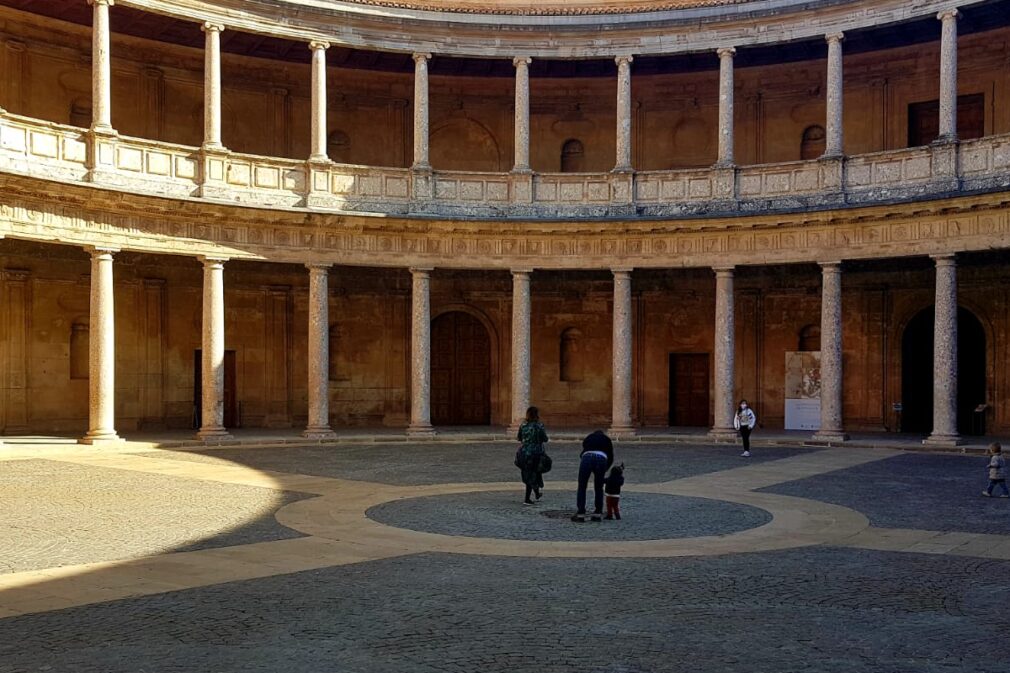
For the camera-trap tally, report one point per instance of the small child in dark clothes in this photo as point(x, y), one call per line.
point(612, 490)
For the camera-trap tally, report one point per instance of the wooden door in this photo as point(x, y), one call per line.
point(460, 371)
point(230, 389)
point(924, 119)
point(689, 381)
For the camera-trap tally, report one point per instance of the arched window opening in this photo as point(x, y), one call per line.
point(572, 365)
point(338, 147)
point(80, 113)
point(810, 338)
point(80, 345)
point(573, 156)
point(812, 145)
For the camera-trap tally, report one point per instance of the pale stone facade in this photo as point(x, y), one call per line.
point(411, 194)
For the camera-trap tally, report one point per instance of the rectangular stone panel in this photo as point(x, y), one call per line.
point(445, 189)
point(777, 183)
point(598, 191)
point(571, 191)
point(44, 144)
point(396, 187)
point(370, 185)
point(129, 159)
point(159, 163)
point(806, 179)
point(672, 189)
point(239, 174)
point(268, 177)
point(917, 168)
point(293, 179)
point(750, 185)
point(471, 190)
point(886, 171)
point(497, 191)
point(545, 191)
point(646, 190)
point(343, 184)
point(857, 175)
point(185, 167)
point(75, 150)
point(13, 139)
point(700, 188)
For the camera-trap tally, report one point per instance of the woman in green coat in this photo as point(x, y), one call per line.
point(532, 436)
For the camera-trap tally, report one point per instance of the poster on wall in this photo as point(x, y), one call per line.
point(803, 390)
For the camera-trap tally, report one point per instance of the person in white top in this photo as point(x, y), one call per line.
point(744, 422)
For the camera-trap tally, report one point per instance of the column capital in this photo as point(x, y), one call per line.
point(318, 266)
point(211, 27)
point(834, 265)
point(726, 52)
point(834, 37)
point(319, 45)
point(212, 260)
point(945, 14)
point(521, 60)
point(421, 56)
point(103, 3)
point(525, 271)
point(421, 271)
point(624, 59)
point(724, 271)
point(945, 259)
point(97, 250)
point(622, 271)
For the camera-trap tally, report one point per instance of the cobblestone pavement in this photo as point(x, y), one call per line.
point(646, 516)
point(913, 490)
point(764, 565)
point(57, 513)
point(448, 463)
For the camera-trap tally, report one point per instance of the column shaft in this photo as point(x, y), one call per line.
point(421, 161)
point(831, 353)
point(212, 353)
point(212, 86)
point(101, 64)
point(102, 351)
point(623, 163)
point(725, 106)
point(522, 121)
point(319, 139)
point(319, 352)
point(621, 417)
point(948, 75)
point(725, 351)
point(520, 346)
point(945, 354)
point(834, 141)
point(420, 354)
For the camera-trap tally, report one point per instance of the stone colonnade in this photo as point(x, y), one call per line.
point(834, 146)
point(101, 425)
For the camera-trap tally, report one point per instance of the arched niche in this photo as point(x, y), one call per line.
point(809, 338)
point(812, 142)
point(463, 144)
point(573, 156)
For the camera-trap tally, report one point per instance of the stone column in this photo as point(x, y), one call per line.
point(621, 412)
point(725, 351)
point(948, 75)
point(101, 64)
point(421, 161)
point(725, 106)
point(831, 353)
point(319, 140)
point(945, 354)
point(420, 355)
point(319, 353)
point(520, 347)
point(212, 366)
point(212, 87)
point(102, 353)
point(833, 146)
point(522, 123)
point(623, 164)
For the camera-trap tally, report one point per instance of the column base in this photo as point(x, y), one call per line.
point(622, 431)
point(723, 435)
point(942, 441)
point(319, 432)
point(421, 431)
point(213, 434)
point(830, 436)
point(100, 437)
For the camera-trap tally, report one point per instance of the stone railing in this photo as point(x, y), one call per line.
point(64, 153)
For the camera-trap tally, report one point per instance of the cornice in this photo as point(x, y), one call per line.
point(43, 211)
point(443, 33)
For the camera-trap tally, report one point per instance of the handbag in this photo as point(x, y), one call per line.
point(545, 463)
point(518, 462)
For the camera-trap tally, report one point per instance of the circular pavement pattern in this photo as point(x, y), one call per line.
point(490, 514)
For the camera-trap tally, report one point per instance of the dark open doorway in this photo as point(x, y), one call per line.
point(460, 370)
point(230, 392)
point(917, 372)
point(689, 381)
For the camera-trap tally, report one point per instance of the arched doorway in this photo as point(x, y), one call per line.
point(917, 371)
point(460, 370)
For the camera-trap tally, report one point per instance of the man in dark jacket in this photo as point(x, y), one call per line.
point(597, 457)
